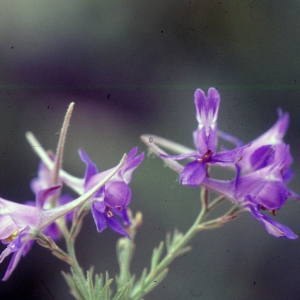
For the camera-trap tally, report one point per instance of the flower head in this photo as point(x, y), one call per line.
point(205, 139)
point(263, 189)
point(19, 222)
point(115, 196)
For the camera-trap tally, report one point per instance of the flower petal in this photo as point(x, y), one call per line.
point(43, 195)
point(98, 217)
point(207, 107)
point(273, 227)
point(117, 194)
point(131, 164)
point(272, 195)
point(91, 168)
point(193, 174)
point(116, 226)
point(8, 226)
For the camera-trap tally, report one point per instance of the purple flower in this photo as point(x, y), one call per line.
point(19, 222)
point(261, 152)
point(205, 140)
point(114, 197)
point(260, 190)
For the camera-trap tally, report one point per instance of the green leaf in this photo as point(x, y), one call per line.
point(80, 284)
point(105, 293)
point(139, 286)
point(98, 286)
point(90, 285)
point(158, 279)
point(120, 295)
point(157, 252)
point(73, 287)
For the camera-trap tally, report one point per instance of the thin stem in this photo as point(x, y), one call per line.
point(176, 249)
point(204, 198)
point(74, 263)
point(215, 202)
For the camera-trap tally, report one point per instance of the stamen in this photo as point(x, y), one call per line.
point(12, 236)
point(208, 153)
point(262, 207)
point(109, 214)
point(239, 159)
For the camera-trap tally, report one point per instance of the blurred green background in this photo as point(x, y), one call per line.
point(131, 67)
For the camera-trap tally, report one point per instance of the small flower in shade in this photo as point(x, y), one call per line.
point(205, 140)
point(18, 224)
point(263, 189)
point(115, 196)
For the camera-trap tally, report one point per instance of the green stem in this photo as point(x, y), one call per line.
point(176, 249)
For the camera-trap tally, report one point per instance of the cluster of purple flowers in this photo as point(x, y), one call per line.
point(262, 171)
point(20, 223)
point(262, 166)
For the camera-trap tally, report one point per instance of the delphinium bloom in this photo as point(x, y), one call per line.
point(108, 201)
point(263, 189)
point(262, 166)
point(113, 198)
point(21, 223)
point(205, 140)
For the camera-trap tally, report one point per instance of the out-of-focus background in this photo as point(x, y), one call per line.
point(131, 67)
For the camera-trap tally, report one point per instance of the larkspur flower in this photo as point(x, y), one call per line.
point(20, 223)
point(262, 166)
point(115, 196)
point(109, 201)
point(263, 189)
point(205, 140)
point(261, 152)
